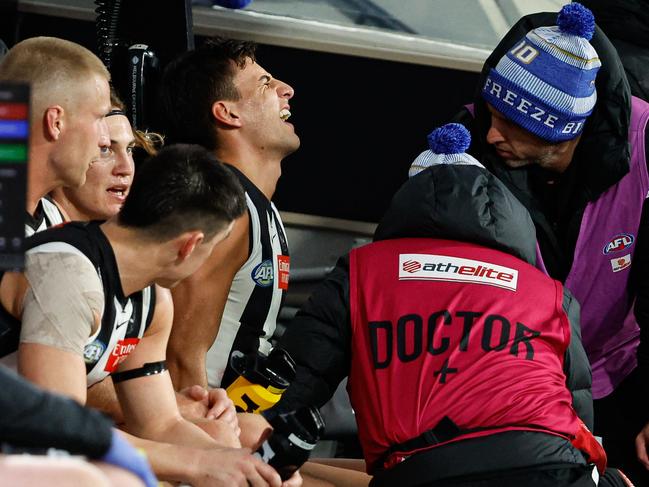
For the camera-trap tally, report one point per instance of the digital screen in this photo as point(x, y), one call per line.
point(14, 153)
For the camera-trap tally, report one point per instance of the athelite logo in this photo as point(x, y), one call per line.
point(431, 267)
point(411, 266)
point(619, 243)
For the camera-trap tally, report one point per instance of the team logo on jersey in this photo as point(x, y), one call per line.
point(455, 269)
point(618, 243)
point(620, 263)
point(93, 351)
point(262, 274)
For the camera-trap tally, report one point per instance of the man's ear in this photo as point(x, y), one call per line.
point(188, 242)
point(226, 113)
point(53, 122)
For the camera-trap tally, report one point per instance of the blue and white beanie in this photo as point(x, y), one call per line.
point(546, 83)
point(447, 144)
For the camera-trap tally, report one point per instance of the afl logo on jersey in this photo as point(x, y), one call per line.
point(93, 351)
point(262, 274)
point(619, 243)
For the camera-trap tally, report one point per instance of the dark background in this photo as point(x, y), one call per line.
point(361, 121)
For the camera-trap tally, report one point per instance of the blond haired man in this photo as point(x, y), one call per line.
point(70, 97)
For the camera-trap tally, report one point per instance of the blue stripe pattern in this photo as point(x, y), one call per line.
point(529, 111)
point(553, 97)
point(429, 158)
point(574, 81)
point(546, 83)
point(568, 48)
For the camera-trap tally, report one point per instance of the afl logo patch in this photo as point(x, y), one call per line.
point(93, 351)
point(618, 243)
point(262, 274)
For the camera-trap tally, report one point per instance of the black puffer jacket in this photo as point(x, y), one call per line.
point(464, 203)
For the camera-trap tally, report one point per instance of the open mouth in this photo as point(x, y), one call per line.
point(284, 114)
point(118, 191)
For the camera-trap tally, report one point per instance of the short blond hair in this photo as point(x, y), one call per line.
point(52, 66)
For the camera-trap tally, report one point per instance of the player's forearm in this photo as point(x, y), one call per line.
point(169, 462)
point(175, 430)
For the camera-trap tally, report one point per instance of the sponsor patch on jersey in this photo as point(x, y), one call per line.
point(120, 352)
point(430, 267)
point(262, 274)
point(283, 268)
point(620, 263)
point(93, 351)
point(619, 243)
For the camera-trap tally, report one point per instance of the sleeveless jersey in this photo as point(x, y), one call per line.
point(444, 329)
point(257, 291)
point(47, 215)
point(125, 318)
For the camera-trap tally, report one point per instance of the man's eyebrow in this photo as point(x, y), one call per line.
point(130, 142)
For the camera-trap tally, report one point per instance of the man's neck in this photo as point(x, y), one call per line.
point(136, 258)
point(36, 189)
point(67, 208)
point(40, 180)
point(262, 172)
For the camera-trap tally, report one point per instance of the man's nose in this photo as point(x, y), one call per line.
point(284, 90)
point(494, 135)
point(124, 165)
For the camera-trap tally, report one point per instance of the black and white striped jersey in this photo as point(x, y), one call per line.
point(125, 318)
point(47, 215)
point(257, 290)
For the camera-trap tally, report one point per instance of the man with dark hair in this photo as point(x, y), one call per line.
point(554, 119)
point(77, 320)
point(190, 198)
point(218, 96)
